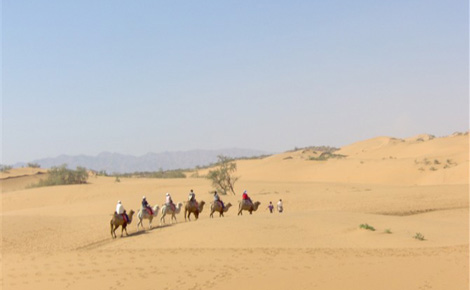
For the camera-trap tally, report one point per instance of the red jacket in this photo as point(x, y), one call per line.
point(245, 196)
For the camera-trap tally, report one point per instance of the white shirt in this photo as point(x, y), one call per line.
point(168, 199)
point(119, 208)
point(279, 206)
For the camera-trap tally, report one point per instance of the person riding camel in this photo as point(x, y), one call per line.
point(217, 199)
point(121, 211)
point(169, 202)
point(145, 205)
point(246, 198)
point(191, 196)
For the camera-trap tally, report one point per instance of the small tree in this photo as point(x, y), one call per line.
point(222, 177)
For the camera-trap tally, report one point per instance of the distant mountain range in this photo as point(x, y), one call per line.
point(120, 163)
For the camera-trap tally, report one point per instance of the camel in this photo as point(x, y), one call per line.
point(218, 208)
point(117, 221)
point(168, 210)
point(246, 206)
point(144, 214)
point(190, 207)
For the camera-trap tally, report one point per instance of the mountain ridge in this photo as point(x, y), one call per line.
point(113, 162)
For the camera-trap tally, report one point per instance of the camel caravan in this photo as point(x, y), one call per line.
point(192, 206)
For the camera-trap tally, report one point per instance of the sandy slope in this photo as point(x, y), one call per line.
point(58, 237)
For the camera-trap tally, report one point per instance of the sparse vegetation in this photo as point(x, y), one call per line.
point(5, 168)
point(34, 165)
point(327, 155)
point(419, 236)
point(367, 227)
point(222, 176)
point(327, 149)
point(388, 231)
point(154, 174)
point(434, 165)
point(62, 176)
point(102, 173)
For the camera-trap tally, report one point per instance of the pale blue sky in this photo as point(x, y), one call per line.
point(82, 77)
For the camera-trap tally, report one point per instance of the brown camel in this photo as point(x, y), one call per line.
point(117, 221)
point(194, 208)
point(243, 205)
point(217, 207)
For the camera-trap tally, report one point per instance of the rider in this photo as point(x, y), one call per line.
point(246, 198)
point(217, 199)
point(191, 196)
point(169, 201)
point(121, 211)
point(145, 205)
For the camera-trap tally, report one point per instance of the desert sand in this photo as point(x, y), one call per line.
point(59, 237)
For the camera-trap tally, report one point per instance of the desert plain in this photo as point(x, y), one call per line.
point(59, 237)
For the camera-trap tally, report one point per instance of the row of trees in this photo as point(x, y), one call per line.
point(222, 176)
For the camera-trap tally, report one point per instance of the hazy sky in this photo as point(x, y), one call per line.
point(82, 77)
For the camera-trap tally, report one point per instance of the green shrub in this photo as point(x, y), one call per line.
point(327, 155)
point(419, 236)
point(367, 227)
point(62, 175)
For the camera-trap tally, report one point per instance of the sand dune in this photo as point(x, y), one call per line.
point(59, 237)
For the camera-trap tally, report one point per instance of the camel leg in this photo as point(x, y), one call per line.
point(114, 231)
point(162, 219)
point(113, 235)
point(139, 223)
point(150, 223)
point(125, 228)
point(240, 212)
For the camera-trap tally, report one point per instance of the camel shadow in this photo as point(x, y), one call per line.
point(144, 231)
